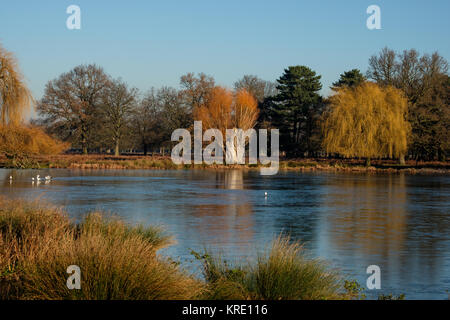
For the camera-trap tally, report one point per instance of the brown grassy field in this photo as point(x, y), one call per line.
point(101, 161)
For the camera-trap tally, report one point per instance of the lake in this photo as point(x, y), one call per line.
point(399, 222)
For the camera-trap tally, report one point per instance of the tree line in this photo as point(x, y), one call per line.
point(398, 108)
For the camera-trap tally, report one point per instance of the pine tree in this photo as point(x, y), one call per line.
point(296, 107)
point(350, 78)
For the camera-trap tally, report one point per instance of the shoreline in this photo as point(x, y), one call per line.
point(137, 162)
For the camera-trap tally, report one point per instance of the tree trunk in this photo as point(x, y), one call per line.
point(231, 156)
point(116, 152)
point(402, 159)
point(145, 149)
point(84, 139)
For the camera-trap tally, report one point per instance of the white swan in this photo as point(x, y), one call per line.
point(48, 178)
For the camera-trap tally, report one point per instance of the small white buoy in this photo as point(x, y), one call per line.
point(265, 194)
point(10, 177)
point(32, 179)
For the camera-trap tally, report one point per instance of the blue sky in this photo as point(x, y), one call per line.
point(153, 43)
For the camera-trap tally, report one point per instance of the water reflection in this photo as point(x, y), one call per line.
point(381, 220)
point(229, 220)
point(369, 214)
point(399, 222)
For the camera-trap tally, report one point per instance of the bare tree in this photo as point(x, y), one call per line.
point(70, 103)
point(383, 68)
point(117, 104)
point(175, 112)
point(147, 121)
point(424, 81)
point(196, 89)
point(260, 89)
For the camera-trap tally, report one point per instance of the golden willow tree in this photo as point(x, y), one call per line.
point(223, 109)
point(15, 98)
point(18, 141)
point(367, 121)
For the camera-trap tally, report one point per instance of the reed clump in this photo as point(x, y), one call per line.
point(117, 261)
point(281, 272)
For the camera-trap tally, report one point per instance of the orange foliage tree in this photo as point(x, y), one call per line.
point(224, 110)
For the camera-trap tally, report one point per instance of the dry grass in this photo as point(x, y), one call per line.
point(19, 144)
point(283, 272)
point(101, 161)
point(38, 243)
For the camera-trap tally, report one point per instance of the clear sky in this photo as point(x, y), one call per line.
point(152, 43)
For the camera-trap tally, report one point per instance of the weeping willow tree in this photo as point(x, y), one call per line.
point(15, 98)
point(18, 142)
point(367, 121)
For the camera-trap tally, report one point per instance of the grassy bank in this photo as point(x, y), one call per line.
point(118, 261)
point(165, 163)
point(38, 243)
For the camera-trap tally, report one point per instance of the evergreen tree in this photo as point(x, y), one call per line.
point(295, 109)
point(350, 78)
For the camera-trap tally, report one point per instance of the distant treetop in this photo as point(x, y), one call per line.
point(350, 78)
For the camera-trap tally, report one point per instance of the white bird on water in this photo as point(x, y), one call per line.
point(265, 194)
point(10, 177)
point(48, 178)
point(38, 178)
